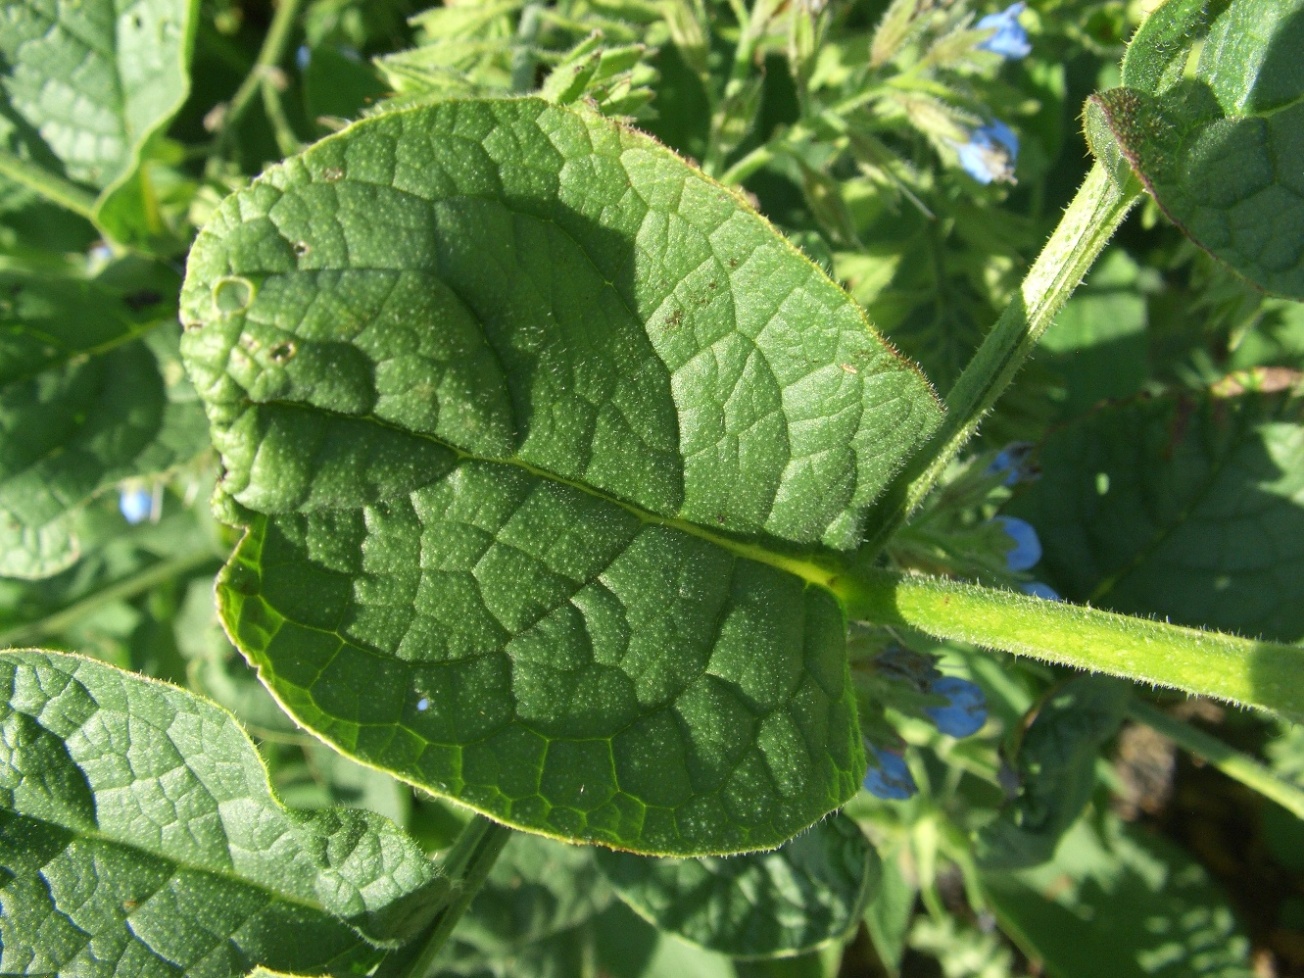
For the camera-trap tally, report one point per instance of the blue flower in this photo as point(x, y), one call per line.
point(888, 777)
point(1008, 38)
point(1012, 460)
point(1026, 550)
point(1039, 590)
point(303, 57)
point(965, 711)
point(990, 153)
point(135, 505)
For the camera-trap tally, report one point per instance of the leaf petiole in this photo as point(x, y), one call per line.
point(1268, 675)
point(1101, 204)
point(467, 866)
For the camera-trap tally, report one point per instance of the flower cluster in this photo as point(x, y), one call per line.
point(992, 150)
point(962, 712)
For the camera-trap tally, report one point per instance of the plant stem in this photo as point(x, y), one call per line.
point(752, 26)
point(54, 188)
point(129, 587)
point(1092, 218)
point(269, 57)
point(467, 865)
point(1229, 761)
point(1268, 675)
point(523, 56)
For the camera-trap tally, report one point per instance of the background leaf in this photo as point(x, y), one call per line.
point(1118, 902)
point(85, 86)
point(803, 895)
point(531, 426)
point(138, 836)
point(1056, 765)
point(1188, 506)
point(1219, 149)
point(91, 393)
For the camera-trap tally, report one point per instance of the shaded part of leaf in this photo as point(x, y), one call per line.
point(1056, 763)
point(1123, 902)
point(1219, 148)
point(808, 893)
point(85, 402)
point(1187, 507)
point(139, 835)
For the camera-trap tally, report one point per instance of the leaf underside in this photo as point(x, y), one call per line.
point(533, 429)
point(139, 837)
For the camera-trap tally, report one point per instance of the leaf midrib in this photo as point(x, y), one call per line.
point(822, 571)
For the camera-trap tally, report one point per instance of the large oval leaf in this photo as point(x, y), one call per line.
point(530, 424)
point(139, 837)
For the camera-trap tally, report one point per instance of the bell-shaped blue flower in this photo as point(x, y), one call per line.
point(135, 504)
point(990, 153)
point(1039, 589)
point(1008, 38)
point(965, 711)
point(888, 776)
point(1026, 548)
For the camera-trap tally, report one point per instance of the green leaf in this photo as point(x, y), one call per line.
point(1218, 146)
point(805, 895)
point(138, 837)
point(1190, 507)
point(84, 87)
point(1056, 763)
point(539, 436)
point(1120, 903)
point(888, 913)
point(91, 393)
point(538, 892)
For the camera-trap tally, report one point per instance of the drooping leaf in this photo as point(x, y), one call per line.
point(1183, 506)
point(532, 427)
point(1219, 147)
point(138, 837)
point(802, 896)
point(1056, 765)
point(84, 87)
point(1118, 902)
point(91, 393)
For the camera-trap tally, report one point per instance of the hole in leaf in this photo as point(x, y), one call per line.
point(283, 352)
point(232, 295)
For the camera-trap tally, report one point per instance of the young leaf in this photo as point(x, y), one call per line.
point(1219, 149)
point(139, 837)
point(806, 894)
point(85, 402)
point(1056, 762)
point(83, 88)
point(530, 426)
point(1186, 507)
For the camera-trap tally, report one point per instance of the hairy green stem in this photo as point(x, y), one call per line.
point(1089, 222)
point(54, 188)
point(1268, 675)
point(467, 866)
point(269, 57)
point(1229, 761)
point(752, 28)
point(129, 587)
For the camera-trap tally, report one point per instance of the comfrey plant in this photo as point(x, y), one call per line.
point(570, 526)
